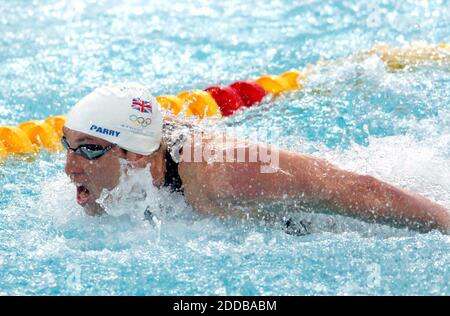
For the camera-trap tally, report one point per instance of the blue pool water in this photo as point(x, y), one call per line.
point(395, 126)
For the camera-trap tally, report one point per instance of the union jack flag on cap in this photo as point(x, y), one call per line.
point(142, 106)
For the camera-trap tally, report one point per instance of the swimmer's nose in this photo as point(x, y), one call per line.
point(73, 166)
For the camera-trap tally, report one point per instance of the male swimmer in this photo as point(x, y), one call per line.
point(124, 122)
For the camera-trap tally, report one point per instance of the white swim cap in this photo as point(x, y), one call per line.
point(125, 114)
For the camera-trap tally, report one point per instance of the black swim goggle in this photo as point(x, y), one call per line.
point(87, 151)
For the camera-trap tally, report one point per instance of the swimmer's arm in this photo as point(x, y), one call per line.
point(309, 179)
point(372, 200)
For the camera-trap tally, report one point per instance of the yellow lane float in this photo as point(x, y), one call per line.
point(57, 122)
point(42, 134)
point(174, 104)
point(200, 103)
point(16, 141)
point(294, 79)
point(274, 84)
point(3, 151)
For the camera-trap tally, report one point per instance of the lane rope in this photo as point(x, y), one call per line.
point(215, 101)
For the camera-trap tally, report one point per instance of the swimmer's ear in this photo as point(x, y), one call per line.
point(157, 164)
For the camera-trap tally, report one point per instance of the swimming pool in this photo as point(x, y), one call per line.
point(393, 125)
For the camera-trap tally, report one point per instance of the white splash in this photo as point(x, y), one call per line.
point(134, 193)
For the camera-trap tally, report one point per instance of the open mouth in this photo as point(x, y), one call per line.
point(83, 195)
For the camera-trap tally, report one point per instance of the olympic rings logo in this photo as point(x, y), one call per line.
point(140, 121)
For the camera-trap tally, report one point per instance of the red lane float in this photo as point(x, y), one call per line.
point(226, 98)
point(249, 91)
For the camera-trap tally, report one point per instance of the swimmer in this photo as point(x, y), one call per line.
point(123, 122)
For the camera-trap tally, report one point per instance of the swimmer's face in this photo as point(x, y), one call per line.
point(91, 176)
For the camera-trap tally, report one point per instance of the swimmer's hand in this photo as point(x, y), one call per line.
point(305, 178)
